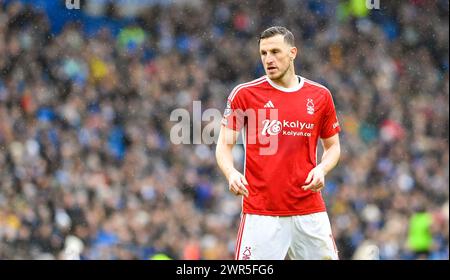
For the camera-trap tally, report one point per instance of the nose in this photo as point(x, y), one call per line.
point(269, 59)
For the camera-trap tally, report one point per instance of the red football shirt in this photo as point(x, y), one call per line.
point(281, 129)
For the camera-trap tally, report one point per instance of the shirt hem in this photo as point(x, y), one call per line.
point(283, 213)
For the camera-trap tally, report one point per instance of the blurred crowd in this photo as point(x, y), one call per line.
point(87, 169)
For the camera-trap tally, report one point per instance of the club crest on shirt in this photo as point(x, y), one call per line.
point(310, 106)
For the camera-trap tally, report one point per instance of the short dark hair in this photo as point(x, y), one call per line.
point(278, 30)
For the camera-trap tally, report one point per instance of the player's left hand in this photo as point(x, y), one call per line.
point(315, 180)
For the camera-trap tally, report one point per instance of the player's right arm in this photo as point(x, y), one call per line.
point(227, 140)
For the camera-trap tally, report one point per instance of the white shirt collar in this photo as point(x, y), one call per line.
point(292, 89)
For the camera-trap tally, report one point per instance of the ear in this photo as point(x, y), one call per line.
point(293, 53)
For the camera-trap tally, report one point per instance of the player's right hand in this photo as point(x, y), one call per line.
point(237, 183)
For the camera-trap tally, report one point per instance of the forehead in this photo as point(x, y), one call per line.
point(276, 41)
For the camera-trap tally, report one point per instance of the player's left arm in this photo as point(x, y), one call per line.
point(332, 151)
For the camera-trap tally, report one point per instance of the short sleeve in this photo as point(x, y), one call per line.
point(233, 116)
point(330, 121)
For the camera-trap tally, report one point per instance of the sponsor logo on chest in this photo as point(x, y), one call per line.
point(298, 124)
point(288, 128)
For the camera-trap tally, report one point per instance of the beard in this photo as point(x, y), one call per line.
point(278, 75)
